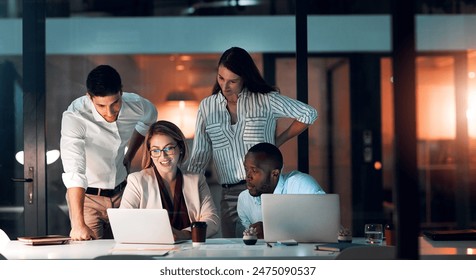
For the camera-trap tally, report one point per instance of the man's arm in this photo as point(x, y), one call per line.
point(149, 117)
point(134, 144)
point(79, 229)
point(73, 156)
point(242, 208)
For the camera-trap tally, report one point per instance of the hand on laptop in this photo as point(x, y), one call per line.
point(259, 229)
point(181, 234)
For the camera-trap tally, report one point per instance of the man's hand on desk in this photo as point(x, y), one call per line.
point(82, 232)
point(259, 229)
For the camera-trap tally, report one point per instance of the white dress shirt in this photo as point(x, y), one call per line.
point(92, 149)
point(295, 182)
point(257, 117)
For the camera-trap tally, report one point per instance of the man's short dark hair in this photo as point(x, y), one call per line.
point(103, 81)
point(271, 152)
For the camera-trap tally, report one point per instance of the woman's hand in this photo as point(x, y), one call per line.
point(181, 234)
point(293, 130)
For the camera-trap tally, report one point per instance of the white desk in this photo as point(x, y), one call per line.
point(434, 250)
point(213, 249)
point(219, 248)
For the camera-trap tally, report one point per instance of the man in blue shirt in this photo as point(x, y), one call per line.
point(263, 164)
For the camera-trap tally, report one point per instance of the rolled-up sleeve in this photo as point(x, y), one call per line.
point(72, 146)
point(286, 107)
point(149, 117)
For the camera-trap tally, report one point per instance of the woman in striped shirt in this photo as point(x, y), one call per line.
point(241, 112)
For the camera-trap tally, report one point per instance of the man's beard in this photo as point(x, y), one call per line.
point(266, 188)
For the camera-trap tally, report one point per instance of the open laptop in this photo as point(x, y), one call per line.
point(146, 226)
point(302, 217)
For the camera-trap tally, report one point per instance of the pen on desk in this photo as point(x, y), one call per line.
point(269, 245)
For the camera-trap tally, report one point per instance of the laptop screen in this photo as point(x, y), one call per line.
point(150, 226)
point(302, 217)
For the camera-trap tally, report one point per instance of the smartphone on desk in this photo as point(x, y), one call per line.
point(288, 242)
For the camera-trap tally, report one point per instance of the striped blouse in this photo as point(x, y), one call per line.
point(257, 117)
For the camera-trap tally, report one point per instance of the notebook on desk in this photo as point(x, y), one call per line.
point(337, 247)
point(141, 226)
point(302, 217)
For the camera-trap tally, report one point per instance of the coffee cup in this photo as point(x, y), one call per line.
point(199, 233)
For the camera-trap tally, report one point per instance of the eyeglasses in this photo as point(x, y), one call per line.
point(168, 151)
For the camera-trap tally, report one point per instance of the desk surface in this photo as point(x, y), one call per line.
point(213, 249)
point(219, 248)
point(430, 249)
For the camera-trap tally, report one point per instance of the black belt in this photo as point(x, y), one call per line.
point(107, 192)
point(242, 182)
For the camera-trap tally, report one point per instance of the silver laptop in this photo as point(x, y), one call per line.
point(146, 226)
point(302, 217)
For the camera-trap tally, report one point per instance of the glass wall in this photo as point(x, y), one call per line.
point(165, 71)
point(146, 8)
point(167, 8)
point(446, 200)
point(11, 145)
point(161, 78)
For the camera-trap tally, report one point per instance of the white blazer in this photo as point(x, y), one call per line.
point(142, 191)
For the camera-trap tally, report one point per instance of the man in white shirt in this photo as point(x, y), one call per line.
point(263, 164)
point(96, 129)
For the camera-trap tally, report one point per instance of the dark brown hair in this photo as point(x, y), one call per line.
point(240, 62)
point(103, 81)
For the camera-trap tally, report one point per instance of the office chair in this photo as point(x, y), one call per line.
point(4, 239)
point(368, 253)
point(124, 257)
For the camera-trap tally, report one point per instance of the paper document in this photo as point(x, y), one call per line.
point(237, 247)
point(143, 249)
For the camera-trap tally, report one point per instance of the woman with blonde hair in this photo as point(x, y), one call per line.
point(162, 184)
